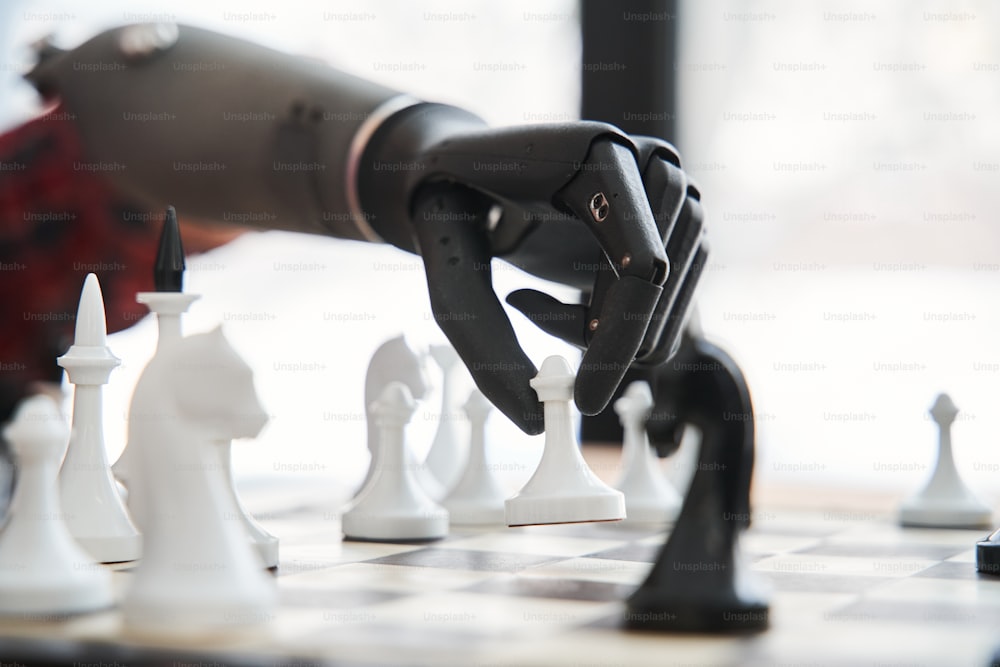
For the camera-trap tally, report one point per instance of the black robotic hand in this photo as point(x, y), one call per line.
point(581, 204)
point(229, 130)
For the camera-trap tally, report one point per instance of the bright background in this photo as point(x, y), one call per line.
point(848, 155)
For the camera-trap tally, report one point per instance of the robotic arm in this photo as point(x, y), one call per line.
point(229, 130)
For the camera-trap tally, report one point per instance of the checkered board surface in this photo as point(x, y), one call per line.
point(847, 589)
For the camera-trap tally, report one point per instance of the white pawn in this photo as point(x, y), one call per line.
point(945, 502)
point(97, 517)
point(42, 569)
point(199, 576)
point(648, 495)
point(393, 505)
point(448, 452)
point(563, 488)
point(477, 498)
point(264, 542)
point(395, 360)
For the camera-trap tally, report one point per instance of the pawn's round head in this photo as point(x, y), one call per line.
point(395, 405)
point(944, 410)
point(477, 407)
point(636, 400)
point(554, 381)
point(37, 430)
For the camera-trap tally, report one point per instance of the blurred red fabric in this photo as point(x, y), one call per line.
point(60, 220)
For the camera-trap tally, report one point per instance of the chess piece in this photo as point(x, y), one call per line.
point(448, 451)
point(43, 571)
point(168, 302)
point(199, 575)
point(395, 360)
point(649, 498)
point(264, 542)
point(684, 461)
point(97, 518)
point(700, 582)
point(945, 502)
point(683, 457)
point(477, 498)
point(394, 505)
point(988, 554)
point(563, 488)
point(168, 268)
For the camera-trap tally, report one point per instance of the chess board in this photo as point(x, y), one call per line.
point(849, 588)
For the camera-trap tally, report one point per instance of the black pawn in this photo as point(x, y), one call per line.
point(168, 272)
point(698, 583)
point(988, 554)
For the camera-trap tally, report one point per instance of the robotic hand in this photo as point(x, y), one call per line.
point(229, 130)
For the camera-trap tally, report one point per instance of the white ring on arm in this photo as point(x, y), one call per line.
point(357, 149)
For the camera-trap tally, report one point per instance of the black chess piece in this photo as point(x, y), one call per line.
point(168, 271)
point(698, 583)
point(988, 554)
